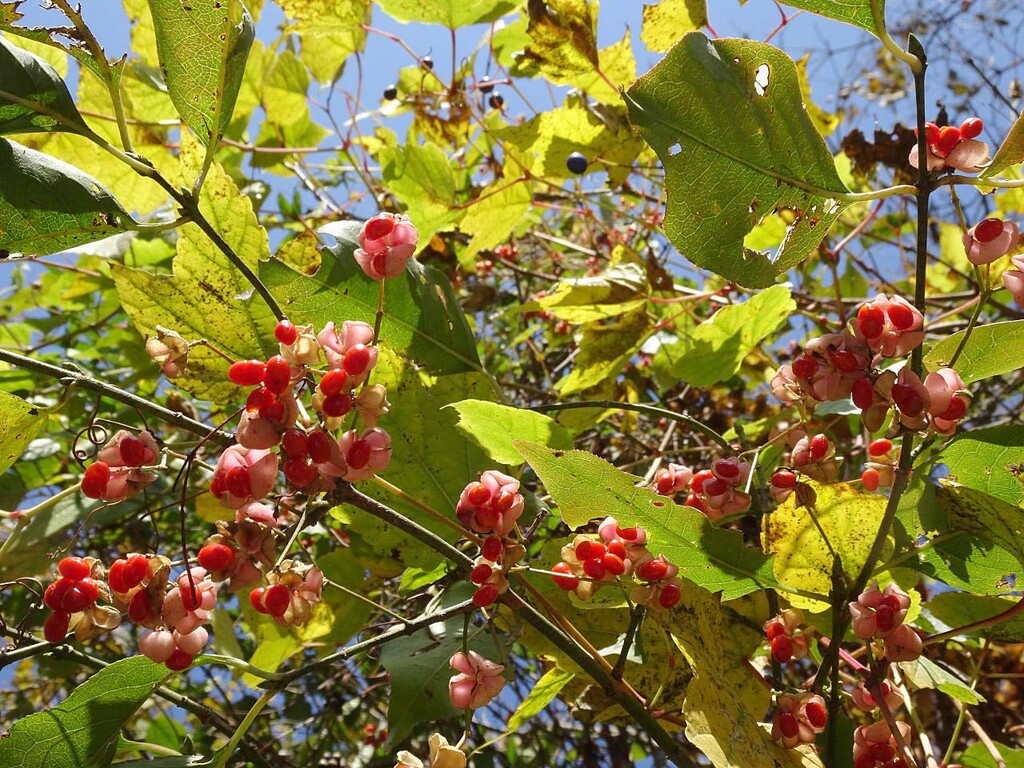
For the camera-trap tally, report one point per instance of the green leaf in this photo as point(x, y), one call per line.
point(605, 348)
point(28, 77)
point(978, 756)
point(730, 111)
point(329, 32)
point(494, 427)
point(990, 461)
point(422, 319)
point(422, 178)
point(542, 694)
point(958, 609)
point(969, 563)
point(983, 516)
point(563, 40)
point(856, 12)
point(450, 13)
point(20, 422)
point(991, 350)
point(803, 558)
point(82, 730)
point(715, 350)
point(585, 486)
point(925, 673)
point(669, 20)
point(47, 205)
point(493, 217)
point(1010, 152)
point(203, 45)
point(618, 290)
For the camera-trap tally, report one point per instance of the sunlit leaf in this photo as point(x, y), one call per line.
point(990, 461)
point(542, 694)
point(856, 12)
point(494, 427)
point(563, 40)
point(1010, 152)
point(728, 124)
point(992, 350)
point(984, 516)
point(27, 77)
point(73, 46)
point(422, 178)
point(328, 32)
point(618, 290)
point(20, 421)
point(450, 13)
point(605, 348)
point(925, 673)
point(665, 22)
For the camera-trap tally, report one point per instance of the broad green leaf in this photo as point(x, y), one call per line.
point(422, 178)
point(563, 40)
point(26, 76)
point(450, 13)
point(492, 218)
point(717, 347)
point(969, 563)
point(803, 557)
point(542, 694)
point(991, 350)
point(207, 297)
point(52, 55)
point(986, 517)
point(618, 290)
point(958, 609)
point(203, 45)
point(174, 761)
point(990, 461)
point(422, 319)
point(1010, 152)
point(668, 20)
point(20, 422)
point(47, 205)
point(494, 427)
point(418, 668)
point(978, 756)
point(328, 32)
point(925, 673)
point(82, 730)
point(605, 348)
point(730, 111)
point(856, 12)
point(585, 487)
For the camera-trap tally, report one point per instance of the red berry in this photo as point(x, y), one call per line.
point(613, 564)
point(617, 547)
point(971, 128)
point(782, 648)
point(716, 487)
point(481, 573)
point(190, 597)
point(901, 316)
point(492, 548)
point(218, 486)
point(319, 446)
point(238, 482)
point(696, 502)
point(589, 550)
point(653, 570)
point(55, 628)
point(879, 447)
point(487, 517)
point(804, 367)
point(629, 534)
point(74, 568)
point(956, 410)
point(247, 373)
point(664, 482)
point(133, 452)
point(669, 596)
point(845, 361)
point(286, 332)
point(378, 227)
point(725, 469)
point(819, 447)
point(478, 494)
point(276, 599)
point(256, 600)
point(504, 501)
point(788, 724)
point(931, 133)
point(594, 569)
point(885, 617)
point(277, 375)
point(949, 137)
point(882, 752)
point(126, 574)
point(863, 393)
point(295, 443)
point(987, 230)
point(864, 761)
point(216, 557)
point(336, 406)
point(333, 382)
point(907, 399)
point(79, 596)
point(359, 454)
point(485, 596)
point(783, 478)
point(95, 478)
point(139, 608)
point(699, 479)
point(816, 713)
point(179, 660)
point(54, 594)
point(299, 473)
point(568, 581)
point(871, 320)
point(356, 360)
point(260, 397)
point(774, 628)
point(273, 412)
point(870, 479)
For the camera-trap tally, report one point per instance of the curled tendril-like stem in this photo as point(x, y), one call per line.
point(97, 435)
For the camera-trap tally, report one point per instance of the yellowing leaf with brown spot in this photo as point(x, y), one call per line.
point(803, 559)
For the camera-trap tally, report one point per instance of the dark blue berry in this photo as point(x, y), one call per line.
point(576, 163)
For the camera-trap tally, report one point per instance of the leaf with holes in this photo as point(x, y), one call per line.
point(33, 97)
point(991, 350)
point(203, 45)
point(586, 486)
point(47, 205)
point(83, 729)
point(990, 461)
point(727, 121)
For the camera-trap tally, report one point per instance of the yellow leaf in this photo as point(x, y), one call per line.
point(669, 20)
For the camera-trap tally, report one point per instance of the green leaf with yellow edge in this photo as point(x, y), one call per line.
point(20, 422)
point(724, 702)
point(207, 297)
point(664, 23)
point(543, 142)
point(329, 32)
point(203, 46)
point(989, 460)
point(542, 694)
point(28, 78)
point(421, 176)
point(494, 427)
point(717, 347)
point(984, 516)
point(803, 558)
point(958, 609)
point(925, 673)
point(730, 110)
point(47, 205)
point(585, 486)
point(422, 318)
point(992, 350)
point(1010, 152)
point(855, 12)
point(83, 729)
point(563, 40)
point(605, 348)
point(618, 290)
point(450, 13)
